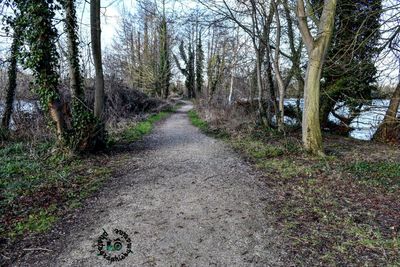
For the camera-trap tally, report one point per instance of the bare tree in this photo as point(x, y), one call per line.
point(278, 74)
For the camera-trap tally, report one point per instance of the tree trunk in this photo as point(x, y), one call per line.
point(278, 76)
point(231, 89)
point(12, 82)
point(261, 109)
point(300, 93)
point(389, 130)
point(89, 134)
point(265, 56)
point(43, 57)
point(235, 58)
point(281, 117)
point(75, 77)
point(139, 56)
point(326, 106)
point(312, 137)
point(164, 61)
point(95, 25)
point(316, 49)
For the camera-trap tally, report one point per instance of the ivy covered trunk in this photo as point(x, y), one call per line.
point(199, 65)
point(40, 35)
point(164, 64)
point(12, 80)
point(86, 131)
point(75, 78)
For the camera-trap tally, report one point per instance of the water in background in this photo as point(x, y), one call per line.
point(365, 125)
point(20, 105)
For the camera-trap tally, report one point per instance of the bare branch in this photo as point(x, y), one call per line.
point(304, 30)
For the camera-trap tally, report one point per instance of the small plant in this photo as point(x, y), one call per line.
point(386, 174)
point(36, 223)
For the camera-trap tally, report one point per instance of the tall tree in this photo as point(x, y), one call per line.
point(261, 18)
point(190, 85)
point(278, 74)
point(40, 55)
point(215, 71)
point(189, 70)
point(73, 52)
point(95, 26)
point(234, 65)
point(199, 64)
point(350, 72)
point(85, 131)
point(165, 64)
point(12, 75)
point(296, 53)
point(389, 130)
point(316, 50)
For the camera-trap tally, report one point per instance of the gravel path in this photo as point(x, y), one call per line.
point(186, 200)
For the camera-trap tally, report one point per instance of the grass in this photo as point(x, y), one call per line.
point(136, 131)
point(332, 211)
point(257, 149)
point(197, 121)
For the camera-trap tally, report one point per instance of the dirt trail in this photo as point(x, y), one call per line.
point(186, 200)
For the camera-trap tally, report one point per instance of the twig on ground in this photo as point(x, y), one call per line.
point(37, 249)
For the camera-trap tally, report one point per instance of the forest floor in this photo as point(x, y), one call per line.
point(182, 197)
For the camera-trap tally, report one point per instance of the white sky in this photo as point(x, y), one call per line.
point(111, 10)
point(110, 17)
